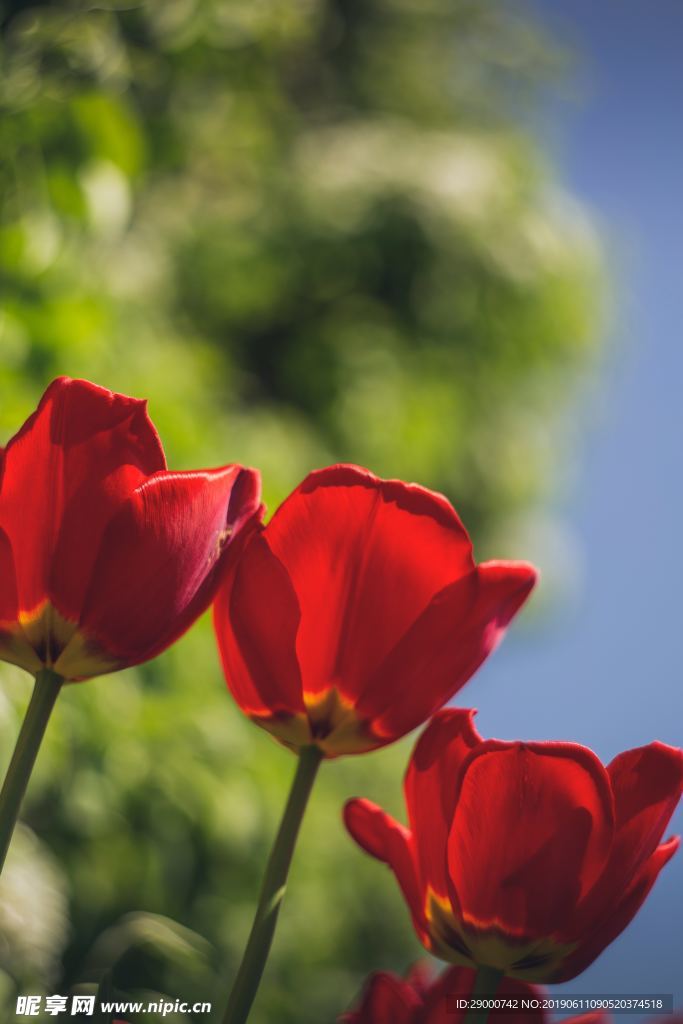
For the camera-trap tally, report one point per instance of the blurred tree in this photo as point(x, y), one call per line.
point(308, 232)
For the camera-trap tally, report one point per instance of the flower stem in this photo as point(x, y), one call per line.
point(272, 890)
point(45, 693)
point(486, 984)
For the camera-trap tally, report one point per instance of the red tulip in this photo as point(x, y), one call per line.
point(420, 999)
point(358, 611)
point(528, 858)
point(106, 557)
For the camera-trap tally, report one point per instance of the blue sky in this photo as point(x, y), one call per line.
point(607, 672)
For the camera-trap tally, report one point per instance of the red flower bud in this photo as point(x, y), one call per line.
point(526, 857)
point(106, 557)
point(358, 611)
point(419, 999)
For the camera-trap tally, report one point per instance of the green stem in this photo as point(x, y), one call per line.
point(272, 890)
point(486, 985)
point(45, 693)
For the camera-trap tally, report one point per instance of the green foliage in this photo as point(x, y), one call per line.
point(308, 232)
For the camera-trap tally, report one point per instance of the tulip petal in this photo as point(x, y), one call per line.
point(647, 784)
point(171, 537)
point(526, 881)
point(9, 601)
point(453, 983)
point(503, 589)
point(444, 647)
point(386, 999)
point(257, 617)
point(617, 916)
point(389, 841)
point(420, 977)
point(65, 472)
point(15, 646)
point(430, 790)
point(364, 556)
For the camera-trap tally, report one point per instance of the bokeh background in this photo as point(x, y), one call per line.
point(436, 237)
